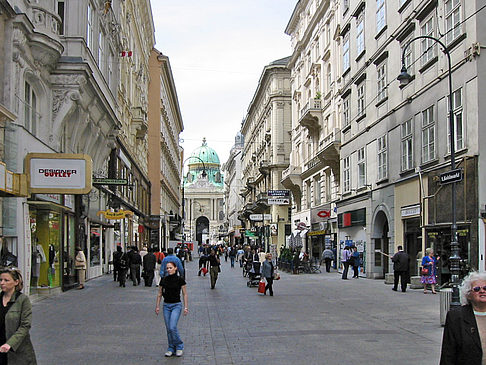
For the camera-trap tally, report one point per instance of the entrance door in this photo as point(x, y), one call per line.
point(413, 242)
point(202, 230)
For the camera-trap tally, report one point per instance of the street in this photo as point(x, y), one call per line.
point(316, 318)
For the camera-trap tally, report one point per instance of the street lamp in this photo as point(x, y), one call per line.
point(203, 174)
point(454, 258)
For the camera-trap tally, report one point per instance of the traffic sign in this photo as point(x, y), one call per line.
point(279, 201)
point(451, 176)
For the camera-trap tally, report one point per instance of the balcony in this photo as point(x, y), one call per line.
point(139, 121)
point(262, 201)
point(311, 116)
point(329, 149)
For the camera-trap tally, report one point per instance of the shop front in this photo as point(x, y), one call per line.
point(352, 232)
point(323, 232)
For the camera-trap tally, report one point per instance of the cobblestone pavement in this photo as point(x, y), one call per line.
point(313, 318)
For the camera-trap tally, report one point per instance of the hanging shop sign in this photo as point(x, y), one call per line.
point(260, 217)
point(278, 201)
point(110, 215)
point(99, 181)
point(59, 173)
point(279, 193)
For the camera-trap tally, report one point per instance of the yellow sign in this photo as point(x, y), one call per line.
point(120, 214)
point(316, 233)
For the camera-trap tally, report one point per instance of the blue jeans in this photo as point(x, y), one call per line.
point(232, 258)
point(172, 312)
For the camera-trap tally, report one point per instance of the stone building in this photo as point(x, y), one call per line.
point(266, 151)
point(164, 153)
point(203, 194)
point(233, 185)
point(395, 138)
point(314, 172)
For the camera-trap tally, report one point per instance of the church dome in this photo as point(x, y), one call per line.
point(204, 153)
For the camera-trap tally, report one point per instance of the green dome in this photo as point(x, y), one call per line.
point(205, 153)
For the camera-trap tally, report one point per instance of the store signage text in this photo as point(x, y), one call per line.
point(110, 215)
point(260, 217)
point(279, 193)
point(279, 201)
point(411, 211)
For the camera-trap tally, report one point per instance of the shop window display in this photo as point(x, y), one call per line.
point(95, 244)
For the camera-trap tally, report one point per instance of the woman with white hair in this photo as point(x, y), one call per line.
point(464, 340)
point(429, 264)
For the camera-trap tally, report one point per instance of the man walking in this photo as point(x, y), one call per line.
point(232, 255)
point(327, 256)
point(214, 263)
point(135, 261)
point(171, 258)
point(149, 261)
point(401, 266)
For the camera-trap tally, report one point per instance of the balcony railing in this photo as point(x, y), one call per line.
point(313, 104)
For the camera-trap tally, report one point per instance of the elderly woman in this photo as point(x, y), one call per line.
point(429, 264)
point(267, 273)
point(464, 339)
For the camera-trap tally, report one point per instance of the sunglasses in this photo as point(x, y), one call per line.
point(478, 288)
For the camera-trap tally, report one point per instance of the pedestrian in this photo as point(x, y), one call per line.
point(463, 341)
point(203, 259)
point(346, 260)
point(170, 288)
point(355, 262)
point(80, 265)
point(171, 258)
point(295, 262)
point(159, 256)
point(149, 261)
point(429, 263)
point(239, 255)
point(143, 251)
point(226, 253)
point(401, 267)
point(267, 273)
point(16, 320)
point(214, 269)
point(232, 255)
point(116, 262)
point(135, 262)
point(327, 256)
point(123, 269)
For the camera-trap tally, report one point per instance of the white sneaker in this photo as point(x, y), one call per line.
point(179, 353)
point(169, 354)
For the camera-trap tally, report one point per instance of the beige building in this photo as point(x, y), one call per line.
point(313, 175)
point(164, 153)
point(266, 129)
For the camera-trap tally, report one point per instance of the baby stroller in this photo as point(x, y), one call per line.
point(254, 275)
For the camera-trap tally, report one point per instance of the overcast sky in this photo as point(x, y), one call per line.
point(217, 51)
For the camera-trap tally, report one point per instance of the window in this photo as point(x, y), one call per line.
point(452, 19)
point(382, 158)
point(346, 174)
point(458, 121)
point(407, 145)
point(329, 78)
point(346, 63)
point(346, 111)
point(328, 34)
point(101, 51)
point(380, 15)
point(361, 99)
point(30, 109)
point(60, 12)
point(408, 57)
point(360, 43)
point(428, 45)
point(308, 186)
point(361, 168)
point(317, 190)
point(381, 76)
point(110, 69)
point(90, 29)
point(428, 135)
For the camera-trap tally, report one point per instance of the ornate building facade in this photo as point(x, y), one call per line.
point(203, 191)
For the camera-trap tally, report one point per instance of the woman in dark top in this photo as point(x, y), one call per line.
point(170, 288)
point(15, 321)
point(267, 273)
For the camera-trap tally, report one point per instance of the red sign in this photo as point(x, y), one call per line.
point(346, 219)
point(324, 214)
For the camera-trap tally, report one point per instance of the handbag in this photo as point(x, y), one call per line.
point(261, 287)
point(276, 276)
point(424, 271)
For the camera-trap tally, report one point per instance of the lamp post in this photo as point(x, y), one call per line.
point(203, 174)
point(454, 258)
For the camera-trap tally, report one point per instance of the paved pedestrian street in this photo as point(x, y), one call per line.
point(312, 319)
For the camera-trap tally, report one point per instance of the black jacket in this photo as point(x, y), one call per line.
point(134, 258)
point(401, 261)
point(461, 343)
point(149, 261)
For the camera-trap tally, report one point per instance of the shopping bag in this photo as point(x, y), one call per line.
point(204, 271)
point(261, 287)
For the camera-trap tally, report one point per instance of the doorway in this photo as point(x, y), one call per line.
point(202, 230)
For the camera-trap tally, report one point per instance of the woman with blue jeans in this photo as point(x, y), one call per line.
point(170, 288)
